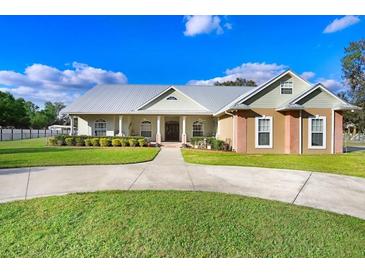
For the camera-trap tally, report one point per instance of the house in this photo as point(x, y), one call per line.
point(284, 115)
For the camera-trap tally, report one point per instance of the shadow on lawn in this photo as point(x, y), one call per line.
point(35, 150)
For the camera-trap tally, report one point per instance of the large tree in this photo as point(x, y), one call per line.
point(237, 82)
point(21, 114)
point(353, 69)
point(13, 112)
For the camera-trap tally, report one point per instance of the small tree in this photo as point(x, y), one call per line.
point(237, 82)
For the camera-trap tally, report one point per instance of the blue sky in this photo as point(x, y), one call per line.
point(59, 57)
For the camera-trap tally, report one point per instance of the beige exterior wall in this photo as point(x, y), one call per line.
point(132, 124)
point(225, 125)
point(282, 131)
point(310, 113)
point(278, 139)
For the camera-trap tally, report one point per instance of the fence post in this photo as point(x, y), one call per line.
point(30, 133)
point(45, 132)
point(21, 134)
point(1, 133)
point(12, 132)
point(37, 133)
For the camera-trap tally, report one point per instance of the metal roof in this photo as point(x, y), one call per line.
point(119, 99)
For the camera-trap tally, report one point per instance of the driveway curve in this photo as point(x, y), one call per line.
point(336, 193)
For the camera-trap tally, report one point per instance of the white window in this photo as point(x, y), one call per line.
point(286, 87)
point(317, 132)
point(146, 129)
point(198, 129)
point(100, 127)
point(263, 132)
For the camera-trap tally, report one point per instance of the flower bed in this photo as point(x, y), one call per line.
point(209, 143)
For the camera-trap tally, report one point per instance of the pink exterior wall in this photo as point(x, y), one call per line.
point(338, 138)
point(291, 132)
point(241, 132)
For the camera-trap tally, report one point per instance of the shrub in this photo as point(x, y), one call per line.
point(60, 140)
point(80, 141)
point(105, 142)
point(52, 141)
point(133, 142)
point(95, 142)
point(124, 142)
point(88, 142)
point(70, 141)
point(142, 142)
point(116, 143)
point(217, 144)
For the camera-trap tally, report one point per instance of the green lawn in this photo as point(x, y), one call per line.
point(34, 152)
point(347, 164)
point(173, 224)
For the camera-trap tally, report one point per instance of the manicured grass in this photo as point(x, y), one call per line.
point(347, 164)
point(34, 152)
point(173, 224)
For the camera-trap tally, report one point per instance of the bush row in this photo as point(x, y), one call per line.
point(205, 142)
point(132, 141)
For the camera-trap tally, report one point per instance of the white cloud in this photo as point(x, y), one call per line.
point(341, 23)
point(332, 84)
point(259, 72)
point(203, 24)
point(307, 75)
point(41, 83)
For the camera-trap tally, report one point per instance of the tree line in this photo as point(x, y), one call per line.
point(18, 113)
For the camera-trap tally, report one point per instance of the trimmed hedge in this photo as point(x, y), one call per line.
point(83, 140)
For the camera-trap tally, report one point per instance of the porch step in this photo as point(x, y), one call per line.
point(171, 144)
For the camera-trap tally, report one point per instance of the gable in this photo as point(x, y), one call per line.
point(319, 99)
point(271, 97)
point(173, 100)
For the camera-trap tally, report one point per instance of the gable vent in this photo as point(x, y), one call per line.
point(171, 98)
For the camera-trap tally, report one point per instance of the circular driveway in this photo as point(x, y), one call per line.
point(336, 193)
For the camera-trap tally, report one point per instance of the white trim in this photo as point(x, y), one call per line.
point(166, 90)
point(284, 83)
point(257, 132)
point(246, 96)
point(310, 132)
point(300, 132)
point(332, 131)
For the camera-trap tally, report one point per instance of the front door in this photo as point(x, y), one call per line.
point(172, 131)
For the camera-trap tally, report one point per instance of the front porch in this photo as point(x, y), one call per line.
point(156, 128)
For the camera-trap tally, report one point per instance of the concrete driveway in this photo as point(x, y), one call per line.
point(341, 194)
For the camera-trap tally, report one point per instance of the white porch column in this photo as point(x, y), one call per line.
point(120, 125)
point(218, 129)
point(71, 125)
point(158, 134)
point(183, 136)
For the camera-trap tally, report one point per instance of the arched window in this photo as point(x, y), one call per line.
point(171, 98)
point(100, 127)
point(198, 129)
point(146, 129)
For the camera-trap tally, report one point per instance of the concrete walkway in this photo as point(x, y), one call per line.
point(341, 194)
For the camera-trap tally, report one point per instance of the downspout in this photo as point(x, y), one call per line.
point(233, 129)
point(300, 132)
point(332, 131)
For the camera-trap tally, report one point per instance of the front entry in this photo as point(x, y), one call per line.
point(172, 131)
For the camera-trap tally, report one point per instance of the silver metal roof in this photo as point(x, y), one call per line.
point(119, 99)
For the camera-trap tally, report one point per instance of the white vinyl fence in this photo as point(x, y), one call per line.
point(19, 134)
